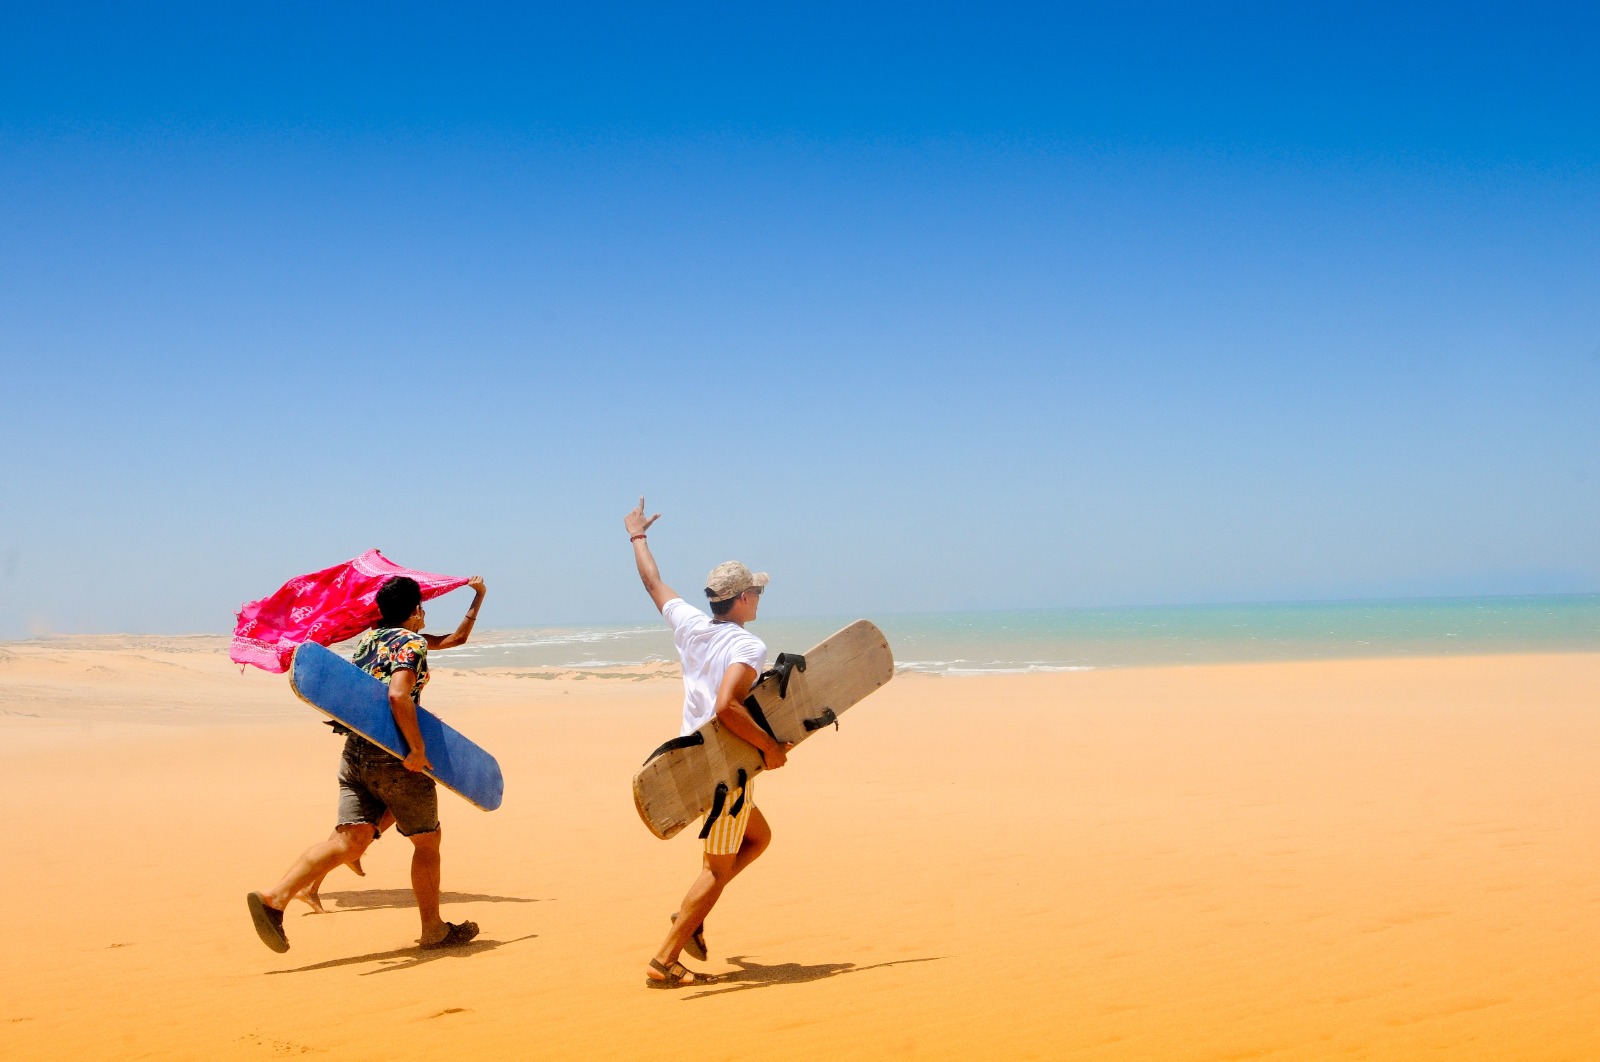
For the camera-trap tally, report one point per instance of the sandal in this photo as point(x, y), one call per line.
point(676, 976)
point(696, 944)
point(269, 923)
point(456, 934)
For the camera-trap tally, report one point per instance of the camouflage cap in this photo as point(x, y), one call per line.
point(730, 579)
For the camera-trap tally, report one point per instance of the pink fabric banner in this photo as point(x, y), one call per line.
point(323, 607)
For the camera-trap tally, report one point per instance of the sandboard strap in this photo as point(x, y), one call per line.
point(821, 721)
point(688, 741)
point(787, 663)
point(738, 805)
point(753, 706)
point(717, 800)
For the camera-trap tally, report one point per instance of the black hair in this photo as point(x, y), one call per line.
point(398, 599)
point(722, 608)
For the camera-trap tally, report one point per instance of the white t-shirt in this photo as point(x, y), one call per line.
point(708, 649)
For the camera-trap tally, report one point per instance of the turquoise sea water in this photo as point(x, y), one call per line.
point(1067, 639)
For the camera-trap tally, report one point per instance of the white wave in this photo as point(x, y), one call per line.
point(926, 665)
point(564, 662)
point(605, 663)
point(952, 667)
point(1028, 669)
point(575, 637)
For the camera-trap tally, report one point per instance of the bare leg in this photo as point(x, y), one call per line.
point(311, 893)
point(716, 872)
point(425, 884)
point(757, 836)
point(345, 843)
point(385, 822)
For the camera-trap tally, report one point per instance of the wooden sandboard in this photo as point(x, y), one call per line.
point(343, 692)
point(676, 786)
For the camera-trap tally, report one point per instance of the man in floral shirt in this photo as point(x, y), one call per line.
point(372, 782)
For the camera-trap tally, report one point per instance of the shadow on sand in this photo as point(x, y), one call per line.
point(754, 975)
point(379, 899)
point(406, 958)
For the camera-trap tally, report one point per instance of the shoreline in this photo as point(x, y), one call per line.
point(1039, 640)
point(216, 646)
point(155, 680)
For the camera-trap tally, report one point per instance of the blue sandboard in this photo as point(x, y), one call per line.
point(338, 689)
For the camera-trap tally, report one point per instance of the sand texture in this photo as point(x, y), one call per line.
point(1367, 859)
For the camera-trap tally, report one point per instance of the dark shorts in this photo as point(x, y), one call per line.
point(371, 782)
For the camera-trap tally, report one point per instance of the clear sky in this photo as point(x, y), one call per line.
point(917, 306)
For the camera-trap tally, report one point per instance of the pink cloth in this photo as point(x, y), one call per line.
point(323, 607)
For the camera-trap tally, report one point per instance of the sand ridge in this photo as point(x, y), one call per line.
point(1362, 859)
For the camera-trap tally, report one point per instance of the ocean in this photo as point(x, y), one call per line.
point(957, 643)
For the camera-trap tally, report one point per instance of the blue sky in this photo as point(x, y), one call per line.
point(918, 307)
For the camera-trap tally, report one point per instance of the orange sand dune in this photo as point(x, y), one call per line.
point(1373, 860)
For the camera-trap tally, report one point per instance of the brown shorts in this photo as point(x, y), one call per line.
point(371, 782)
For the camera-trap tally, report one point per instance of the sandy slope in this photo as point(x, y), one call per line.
point(1395, 859)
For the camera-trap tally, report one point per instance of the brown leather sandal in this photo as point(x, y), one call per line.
point(455, 935)
point(676, 976)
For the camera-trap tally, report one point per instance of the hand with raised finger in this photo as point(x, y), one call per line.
point(636, 522)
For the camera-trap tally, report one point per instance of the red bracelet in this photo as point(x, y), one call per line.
point(636, 538)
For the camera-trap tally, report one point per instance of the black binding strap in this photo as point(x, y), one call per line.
point(717, 800)
point(687, 742)
point(821, 721)
point(738, 804)
point(753, 706)
point(787, 663)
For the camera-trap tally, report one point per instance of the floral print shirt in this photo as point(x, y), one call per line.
point(384, 650)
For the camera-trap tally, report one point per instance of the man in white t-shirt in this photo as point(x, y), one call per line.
point(721, 661)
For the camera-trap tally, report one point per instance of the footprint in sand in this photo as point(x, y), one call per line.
point(278, 1047)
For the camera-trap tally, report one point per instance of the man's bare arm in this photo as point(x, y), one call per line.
point(732, 713)
point(405, 717)
point(637, 524)
point(463, 630)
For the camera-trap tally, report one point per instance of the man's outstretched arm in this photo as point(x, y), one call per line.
point(463, 631)
point(637, 524)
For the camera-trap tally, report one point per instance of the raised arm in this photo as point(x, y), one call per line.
point(637, 524)
point(732, 713)
point(464, 628)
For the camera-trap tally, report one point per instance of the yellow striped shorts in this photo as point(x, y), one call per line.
point(727, 833)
